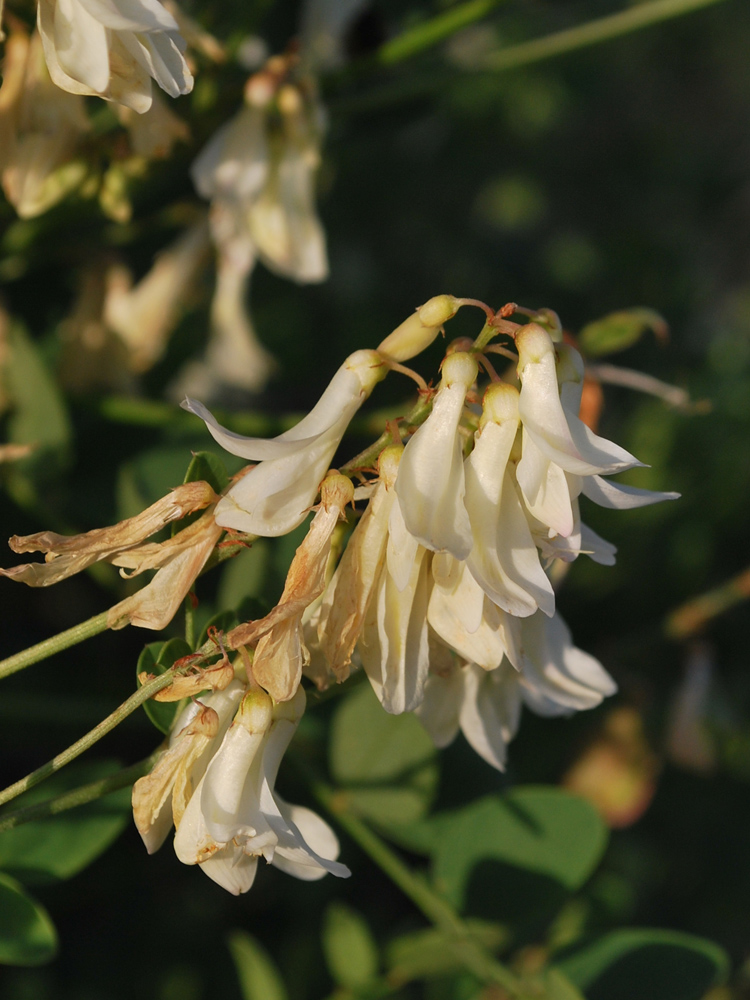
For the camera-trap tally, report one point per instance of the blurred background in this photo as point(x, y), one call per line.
point(606, 178)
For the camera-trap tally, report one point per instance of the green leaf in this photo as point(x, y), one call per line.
point(259, 978)
point(148, 477)
point(350, 951)
point(222, 620)
point(648, 964)
point(156, 658)
point(386, 763)
point(208, 467)
point(429, 953)
point(245, 575)
point(27, 935)
point(57, 848)
point(527, 848)
point(619, 330)
point(557, 986)
point(38, 415)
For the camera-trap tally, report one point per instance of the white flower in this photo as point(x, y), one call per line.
point(262, 164)
point(234, 817)
point(161, 797)
point(504, 559)
point(484, 704)
point(274, 497)
point(113, 48)
point(430, 484)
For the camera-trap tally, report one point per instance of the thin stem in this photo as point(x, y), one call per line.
point(79, 796)
point(430, 33)
point(486, 334)
point(93, 736)
point(603, 29)
point(437, 910)
point(366, 459)
point(63, 640)
point(692, 617)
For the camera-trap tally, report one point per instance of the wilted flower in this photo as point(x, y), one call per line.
point(281, 653)
point(178, 560)
point(235, 816)
point(113, 49)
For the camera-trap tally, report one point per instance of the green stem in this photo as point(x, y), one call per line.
point(93, 736)
point(485, 336)
point(79, 796)
point(692, 617)
point(437, 910)
point(366, 459)
point(47, 648)
point(603, 29)
point(432, 32)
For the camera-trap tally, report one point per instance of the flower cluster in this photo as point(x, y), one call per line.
point(443, 593)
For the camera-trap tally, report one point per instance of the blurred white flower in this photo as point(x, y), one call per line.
point(113, 49)
point(235, 816)
point(40, 129)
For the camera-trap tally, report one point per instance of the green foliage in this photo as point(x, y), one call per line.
point(350, 950)
point(157, 658)
point(39, 414)
point(258, 975)
point(619, 330)
point(27, 935)
point(649, 964)
point(57, 848)
point(429, 953)
point(386, 763)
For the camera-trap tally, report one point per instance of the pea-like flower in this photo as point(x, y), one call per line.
point(113, 49)
point(235, 816)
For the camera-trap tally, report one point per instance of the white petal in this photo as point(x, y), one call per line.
point(394, 646)
point(619, 496)
point(309, 847)
point(402, 547)
point(545, 487)
point(235, 161)
point(596, 547)
point(130, 15)
point(504, 559)
point(557, 677)
point(231, 869)
point(81, 46)
point(438, 712)
point(490, 711)
point(430, 484)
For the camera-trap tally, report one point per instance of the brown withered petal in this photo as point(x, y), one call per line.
point(69, 554)
point(157, 603)
point(215, 678)
point(152, 815)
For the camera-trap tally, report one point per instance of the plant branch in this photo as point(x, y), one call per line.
point(78, 796)
point(437, 909)
point(93, 736)
point(63, 640)
point(430, 33)
point(603, 29)
point(691, 617)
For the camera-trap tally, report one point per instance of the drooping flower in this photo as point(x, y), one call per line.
point(430, 484)
point(274, 497)
point(161, 797)
point(235, 816)
point(177, 561)
point(113, 49)
point(281, 653)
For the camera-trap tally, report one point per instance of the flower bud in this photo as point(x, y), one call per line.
point(533, 344)
point(255, 713)
point(336, 491)
point(388, 463)
point(369, 368)
point(500, 404)
point(459, 368)
point(420, 329)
